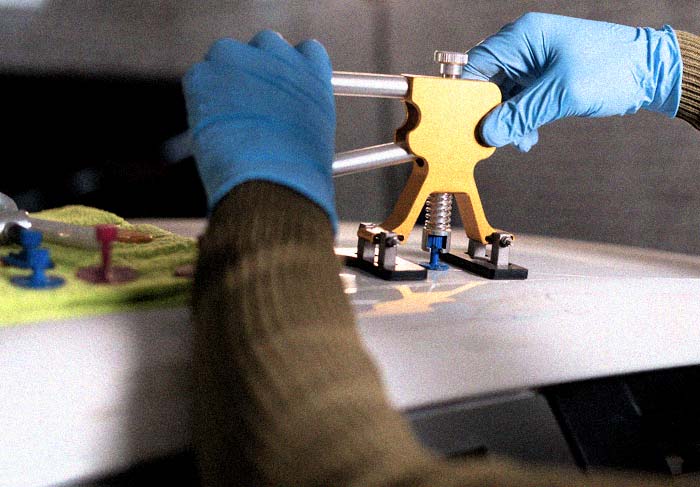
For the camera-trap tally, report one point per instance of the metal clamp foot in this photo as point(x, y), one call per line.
point(488, 260)
point(377, 254)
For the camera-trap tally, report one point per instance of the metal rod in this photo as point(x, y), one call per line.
point(66, 233)
point(369, 85)
point(369, 158)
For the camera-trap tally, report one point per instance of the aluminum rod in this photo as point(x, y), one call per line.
point(368, 158)
point(66, 233)
point(344, 83)
point(369, 85)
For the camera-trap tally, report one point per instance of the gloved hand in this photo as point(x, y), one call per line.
point(264, 110)
point(550, 67)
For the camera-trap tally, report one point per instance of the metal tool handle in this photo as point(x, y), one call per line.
point(344, 163)
point(375, 86)
point(368, 158)
point(344, 83)
point(369, 85)
point(65, 233)
point(57, 232)
point(7, 203)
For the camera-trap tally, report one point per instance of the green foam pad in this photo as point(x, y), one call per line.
point(156, 261)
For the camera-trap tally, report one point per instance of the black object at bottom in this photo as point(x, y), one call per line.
point(646, 421)
point(484, 268)
point(404, 270)
point(177, 469)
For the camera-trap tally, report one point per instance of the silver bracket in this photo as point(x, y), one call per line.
point(496, 251)
point(377, 253)
point(372, 237)
point(489, 260)
point(476, 249)
point(500, 249)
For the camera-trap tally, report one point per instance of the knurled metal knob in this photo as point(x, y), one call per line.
point(451, 63)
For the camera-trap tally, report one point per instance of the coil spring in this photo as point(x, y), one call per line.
point(438, 213)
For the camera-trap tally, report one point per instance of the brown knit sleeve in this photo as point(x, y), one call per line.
point(285, 392)
point(689, 109)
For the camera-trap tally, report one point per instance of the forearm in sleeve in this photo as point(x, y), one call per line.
point(689, 109)
point(286, 394)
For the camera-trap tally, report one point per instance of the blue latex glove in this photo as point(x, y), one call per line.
point(264, 111)
point(550, 67)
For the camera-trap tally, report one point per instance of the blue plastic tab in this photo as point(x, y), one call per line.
point(39, 260)
point(29, 239)
point(436, 243)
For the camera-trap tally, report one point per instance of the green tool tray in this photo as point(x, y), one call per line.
point(156, 286)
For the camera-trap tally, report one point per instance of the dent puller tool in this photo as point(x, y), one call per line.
point(439, 137)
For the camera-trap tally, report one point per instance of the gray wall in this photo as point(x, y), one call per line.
point(627, 180)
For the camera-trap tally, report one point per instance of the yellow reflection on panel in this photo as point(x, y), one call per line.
point(412, 303)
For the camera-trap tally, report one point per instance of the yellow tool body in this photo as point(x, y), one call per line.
point(442, 115)
point(439, 138)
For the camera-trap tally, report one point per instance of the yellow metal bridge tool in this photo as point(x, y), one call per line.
point(439, 138)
